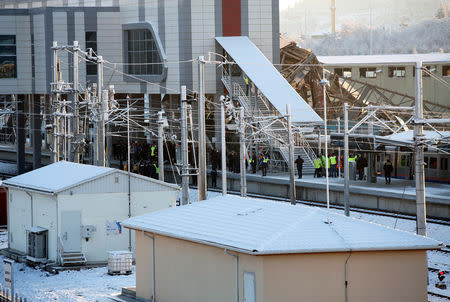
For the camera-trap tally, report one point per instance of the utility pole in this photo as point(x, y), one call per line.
point(291, 156)
point(224, 146)
point(55, 104)
point(74, 147)
point(129, 168)
point(324, 83)
point(184, 150)
point(160, 147)
point(202, 180)
point(421, 222)
point(242, 153)
point(346, 166)
point(100, 124)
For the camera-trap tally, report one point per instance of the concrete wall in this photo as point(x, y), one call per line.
point(365, 198)
point(187, 271)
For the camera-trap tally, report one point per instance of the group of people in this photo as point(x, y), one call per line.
point(333, 163)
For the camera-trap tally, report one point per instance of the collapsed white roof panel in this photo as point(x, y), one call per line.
point(267, 78)
point(257, 226)
point(395, 59)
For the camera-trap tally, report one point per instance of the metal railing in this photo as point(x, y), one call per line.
point(7, 296)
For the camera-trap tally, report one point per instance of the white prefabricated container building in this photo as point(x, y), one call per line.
point(82, 207)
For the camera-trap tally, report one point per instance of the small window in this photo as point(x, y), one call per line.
point(433, 163)
point(8, 60)
point(368, 72)
point(397, 72)
point(91, 43)
point(403, 161)
point(444, 163)
point(426, 162)
point(343, 72)
point(446, 71)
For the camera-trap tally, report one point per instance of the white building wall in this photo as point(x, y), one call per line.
point(19, 218)
point(22, 215)
point(44, 215)
point(106, 208)
point(118, 183)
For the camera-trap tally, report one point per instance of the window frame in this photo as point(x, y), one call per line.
point(394, 69)
point(12, 57)
point(159, 48)
point(364, 70)
point(91, 65)
point(342, 72)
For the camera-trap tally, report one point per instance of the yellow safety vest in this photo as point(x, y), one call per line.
point(157, 169)
point(265, 159)
point(352, 158)
point(246, 80)
point(333, 160)
point(153, 150)
point(317, 163)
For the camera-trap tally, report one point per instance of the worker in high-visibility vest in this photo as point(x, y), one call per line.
point(333, 162)
point(246, 83)
point(265, 163)
point(152, 151)
point(318, 167)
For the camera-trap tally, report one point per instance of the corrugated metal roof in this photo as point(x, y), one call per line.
point(395, 59)
point(267, 78)
point(265, 227)
point(63, 175)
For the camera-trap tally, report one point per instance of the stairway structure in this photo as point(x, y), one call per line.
point(272, 131)
point(72, 259)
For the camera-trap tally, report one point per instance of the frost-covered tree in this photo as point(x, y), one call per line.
point(425, 37)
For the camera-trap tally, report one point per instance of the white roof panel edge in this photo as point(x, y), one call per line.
point(268, 79)
point(394, 59)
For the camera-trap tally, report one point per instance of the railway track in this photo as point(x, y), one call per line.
point(322, 205)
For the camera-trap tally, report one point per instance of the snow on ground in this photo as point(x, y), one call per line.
point(96, 285)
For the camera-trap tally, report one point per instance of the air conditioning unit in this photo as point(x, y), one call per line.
point(37, 244)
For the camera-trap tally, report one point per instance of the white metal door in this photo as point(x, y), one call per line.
point(71, 231)
point(249, 287)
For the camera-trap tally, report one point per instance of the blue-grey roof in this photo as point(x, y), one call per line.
point(266, 227)
point(267, 78)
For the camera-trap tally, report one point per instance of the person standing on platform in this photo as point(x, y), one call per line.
point(318, 167)
point(265, 163)
point(214, 177)
point(254, 163)
point(387, 171)
point(333, 163)
point(299, 161)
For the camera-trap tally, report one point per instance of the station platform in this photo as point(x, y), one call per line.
point(397, 197)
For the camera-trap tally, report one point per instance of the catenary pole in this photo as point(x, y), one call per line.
point(421, 222)
point(346, 166)
point(184, 150)
point(160, 146)
point(129, 168)
point(224, 147)
point(324, 83)
point(202, 180)
point(55, 104)
point(291, 156)
point(100, 156)
point(75, 154)
point(242, 153)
